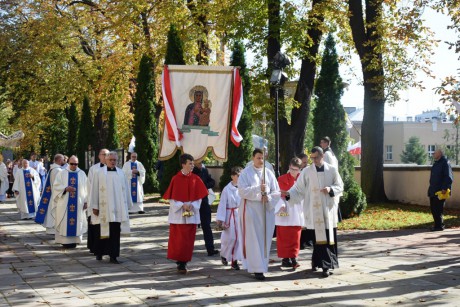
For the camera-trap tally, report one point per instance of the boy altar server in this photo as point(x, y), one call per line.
point(184, 193)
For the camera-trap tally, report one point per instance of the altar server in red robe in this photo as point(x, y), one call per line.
point(184, 193)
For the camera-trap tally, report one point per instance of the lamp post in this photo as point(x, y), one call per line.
point(277, 80)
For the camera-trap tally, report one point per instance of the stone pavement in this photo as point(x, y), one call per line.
point(409, 267)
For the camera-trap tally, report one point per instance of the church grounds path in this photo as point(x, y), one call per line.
point(377, 268)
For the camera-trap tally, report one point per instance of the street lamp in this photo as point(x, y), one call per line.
point(277, 80)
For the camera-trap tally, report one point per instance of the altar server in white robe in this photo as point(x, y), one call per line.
point(135, 174)
point(26, 188)
point(4, 182)
point(92, 219)
point(227, 219)
point(110, 200)
point(46, 213)
point(259, 194)
point(70, 192)
point(317, 186)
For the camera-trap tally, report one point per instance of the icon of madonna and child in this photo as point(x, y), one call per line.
point(199, 111)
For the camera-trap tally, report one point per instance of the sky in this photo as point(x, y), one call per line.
point(413, 101)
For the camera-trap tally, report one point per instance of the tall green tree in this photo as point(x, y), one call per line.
point(239, 156)
point(72, 129)
point(112, 134)
point(329, 120)
point(414, 152)
point(85, 133)
point(144, 122)
point(52, 141)
point(329, 115)
point(174, 56)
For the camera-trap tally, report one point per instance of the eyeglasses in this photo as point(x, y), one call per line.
point(73, 164)
point(111, 159)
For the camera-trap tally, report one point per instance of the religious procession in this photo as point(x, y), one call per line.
point(252, 133)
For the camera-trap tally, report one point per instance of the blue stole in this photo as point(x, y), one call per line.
point(44, 201)
point(134, 183)
point(72, 206)
point(29, 192)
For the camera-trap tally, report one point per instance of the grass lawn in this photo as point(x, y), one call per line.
point(377, 216)
point(398, 216)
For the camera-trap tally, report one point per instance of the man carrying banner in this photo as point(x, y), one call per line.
point(26, 188)
point(135, 174)
point(71, 197)
point(46, 212)
point(259, 192)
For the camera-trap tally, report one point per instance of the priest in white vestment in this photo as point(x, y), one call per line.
point(70, 192)
point(259, 193)
point(4, 183)
point(110, 200)
point(317, 186)
point(135, 174)
point(26, 188)
point(227, 219)
point(47, 204)
point(93, 225)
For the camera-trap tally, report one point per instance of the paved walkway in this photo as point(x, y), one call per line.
point(410, 267)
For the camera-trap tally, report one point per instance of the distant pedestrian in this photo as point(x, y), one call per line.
point(441, 179)
point(135, 174)
point(26, 189)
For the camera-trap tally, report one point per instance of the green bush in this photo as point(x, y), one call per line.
point(353, 200)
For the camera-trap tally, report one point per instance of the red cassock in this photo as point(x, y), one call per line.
point(183, 188)
point(287, 237)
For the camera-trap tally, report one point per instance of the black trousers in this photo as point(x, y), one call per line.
point(90, 235)
point(205, 217)
point(437, 210)
point(110, 246)
point(325, 256)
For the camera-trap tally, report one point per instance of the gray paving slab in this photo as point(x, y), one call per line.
point(377, 268)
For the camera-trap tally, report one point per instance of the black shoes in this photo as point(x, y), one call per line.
point(114, 260)
point(72, 245)
point(99, 258)
point(259, 276)
point(235, 266)
point(436, 228)
point(327, 273)
point(295, 264)
point(213, 252)
point(286, 262)
point(181, 267)
point(224, 261)
point(141, 212)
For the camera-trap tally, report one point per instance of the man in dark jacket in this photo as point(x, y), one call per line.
point(440, 180)
point(205, 208)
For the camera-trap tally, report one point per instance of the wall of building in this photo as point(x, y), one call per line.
point(397, 134)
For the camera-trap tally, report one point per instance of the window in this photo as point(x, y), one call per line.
point(431, 149)
point(389, 152)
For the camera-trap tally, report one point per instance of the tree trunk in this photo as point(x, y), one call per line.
point(367, 38)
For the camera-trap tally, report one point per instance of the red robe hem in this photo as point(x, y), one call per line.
point(288, 241)
point(181, 242)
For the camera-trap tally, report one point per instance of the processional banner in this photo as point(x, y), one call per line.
point(198, 103)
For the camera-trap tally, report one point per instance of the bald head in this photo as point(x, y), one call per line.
point(59, 159)
point(103, 154)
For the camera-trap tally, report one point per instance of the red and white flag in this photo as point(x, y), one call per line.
point(355, 149)
point(198, 102)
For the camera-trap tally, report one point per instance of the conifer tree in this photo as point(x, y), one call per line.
point(414, 152)
point(72, 129)
point(85, 133)
point(329, 120)
point(112, 134)
point(52, 141)
point(144, 122)
point(174, 56)
point(239, 156)
point(329, 115)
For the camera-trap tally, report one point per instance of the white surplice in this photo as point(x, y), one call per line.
point(139, 205)
point(4, 183)
point(50, 218)
point(227, 212)
point(295, 215)
point(19, 185)
point(320, 209)
point(92, 171)
point(257, 220)
point(62, 198)
point(110, 194)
